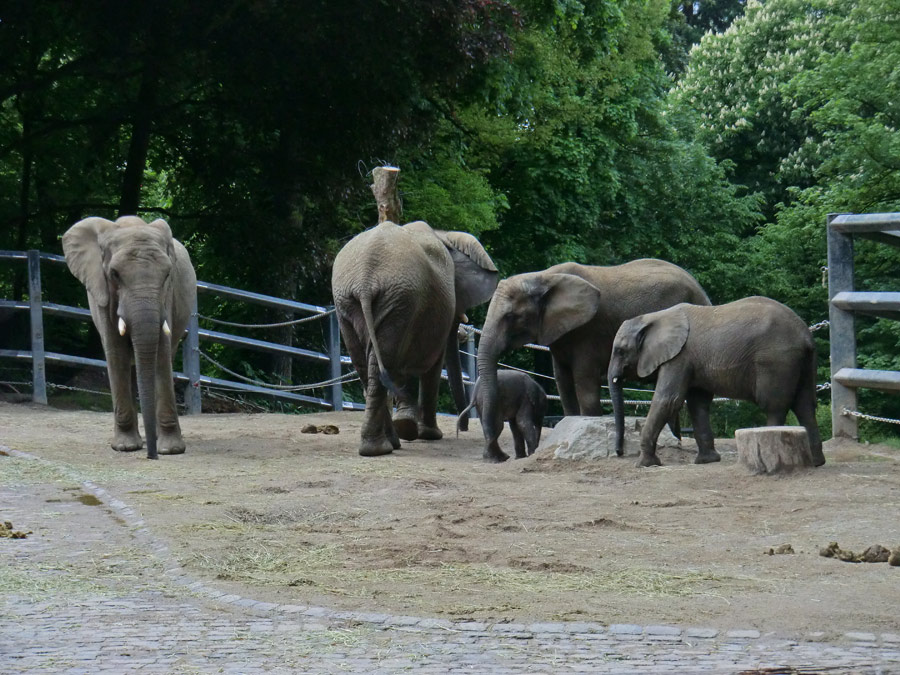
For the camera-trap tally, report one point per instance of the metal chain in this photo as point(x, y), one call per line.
point(823, 387)
point(348, 377)
point(817, 326)
point(863, 416)
point(234, 324)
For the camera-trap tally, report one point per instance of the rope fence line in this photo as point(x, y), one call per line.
point(864, 416)
point(343, 379)
point(294, 322)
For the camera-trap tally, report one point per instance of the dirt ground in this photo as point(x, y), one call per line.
point(432, 530)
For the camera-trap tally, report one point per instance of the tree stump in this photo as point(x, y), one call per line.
point(771, 450)
point(384, 187)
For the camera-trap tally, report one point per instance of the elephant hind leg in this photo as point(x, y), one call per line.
point(374, 441)
point(699, 401)
point(804, 408)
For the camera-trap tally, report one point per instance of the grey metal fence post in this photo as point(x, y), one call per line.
point(471, 369)
point(191, 359)
point(334, 352)
point(843, 331)
point(38, 364)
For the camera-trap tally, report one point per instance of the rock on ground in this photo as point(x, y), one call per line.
point(595, 438)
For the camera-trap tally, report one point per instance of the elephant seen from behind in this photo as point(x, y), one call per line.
point(576, 310)
point(521, 402)
point(141, 290)
point(754, 349)
point(400, 292)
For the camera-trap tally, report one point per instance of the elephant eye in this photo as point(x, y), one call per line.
point(114, 274)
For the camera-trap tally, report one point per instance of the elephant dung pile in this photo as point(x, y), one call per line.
point(874, 554)
point(595, 438)
point(8, 532)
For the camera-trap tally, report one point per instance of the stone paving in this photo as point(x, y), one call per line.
point(93, 590)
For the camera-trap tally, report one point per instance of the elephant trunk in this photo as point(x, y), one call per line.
point(618, 402)
point(145, 336)
point(488, 354)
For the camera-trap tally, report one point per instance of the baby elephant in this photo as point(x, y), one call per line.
point(521, 402)
point(754, 349)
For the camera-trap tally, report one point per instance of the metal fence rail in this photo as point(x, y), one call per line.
point(191, 345)
point(845, 303)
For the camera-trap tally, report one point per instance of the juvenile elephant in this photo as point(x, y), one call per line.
point(521, 402)
point(754, 349)
point(400, 292)
point(575, 310)
point(141, 289)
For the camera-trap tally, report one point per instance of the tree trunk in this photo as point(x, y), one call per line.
point(768, 450)
point(384, 187)
point(145, 108)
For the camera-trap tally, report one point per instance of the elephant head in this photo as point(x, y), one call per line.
point(126, 267)
point(535, 307)
point(641, 346)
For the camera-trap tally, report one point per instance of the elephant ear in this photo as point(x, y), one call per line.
point(567, 303)
point(475, 275)
point(662, 338)
point(81, 246)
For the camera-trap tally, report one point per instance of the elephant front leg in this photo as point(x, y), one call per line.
point(518, 439)
point(565, 385)
point(374, 441)
point(698, 402)
point(169, 439)
point(118, 366)
point(429, 384)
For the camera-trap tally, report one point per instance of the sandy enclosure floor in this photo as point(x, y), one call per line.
point(431, 530)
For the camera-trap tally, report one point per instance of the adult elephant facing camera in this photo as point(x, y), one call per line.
point(575, 310)
point(755, 349)
point(141, 289)
point(400, 292)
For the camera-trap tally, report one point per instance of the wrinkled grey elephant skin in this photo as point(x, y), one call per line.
point(521, 402)
point(755, 349)
point(575, 310)
point(141, 290)
point(400, 292)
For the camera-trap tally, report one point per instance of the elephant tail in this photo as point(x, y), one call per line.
point(465, 411)
point(366, 305)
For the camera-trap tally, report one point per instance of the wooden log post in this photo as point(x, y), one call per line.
point(384, 187)
point(769, 450)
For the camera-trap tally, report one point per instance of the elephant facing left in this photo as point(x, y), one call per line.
point(141, 289)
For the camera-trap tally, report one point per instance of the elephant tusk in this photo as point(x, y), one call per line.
point(122, 326)
point(166, 329)
point(615, 380)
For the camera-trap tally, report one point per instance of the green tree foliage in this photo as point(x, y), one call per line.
point(801, 96)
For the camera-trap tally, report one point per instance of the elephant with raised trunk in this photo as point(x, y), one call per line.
point(575, 310)
point(754, 349)
point(141, 290)
point(521, 402)
point(400, 292)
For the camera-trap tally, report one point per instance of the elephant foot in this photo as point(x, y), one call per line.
point(427, 433)
point(493, 453)
point(406, 427)
point(126, 441)
point(376, 447)
point(463, 424)
point(708, 457)
point(648, 460)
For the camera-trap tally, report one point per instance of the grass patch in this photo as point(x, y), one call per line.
point(71, 580)
point(263, 564)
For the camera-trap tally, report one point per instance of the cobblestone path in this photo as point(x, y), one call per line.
point(91, 590)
